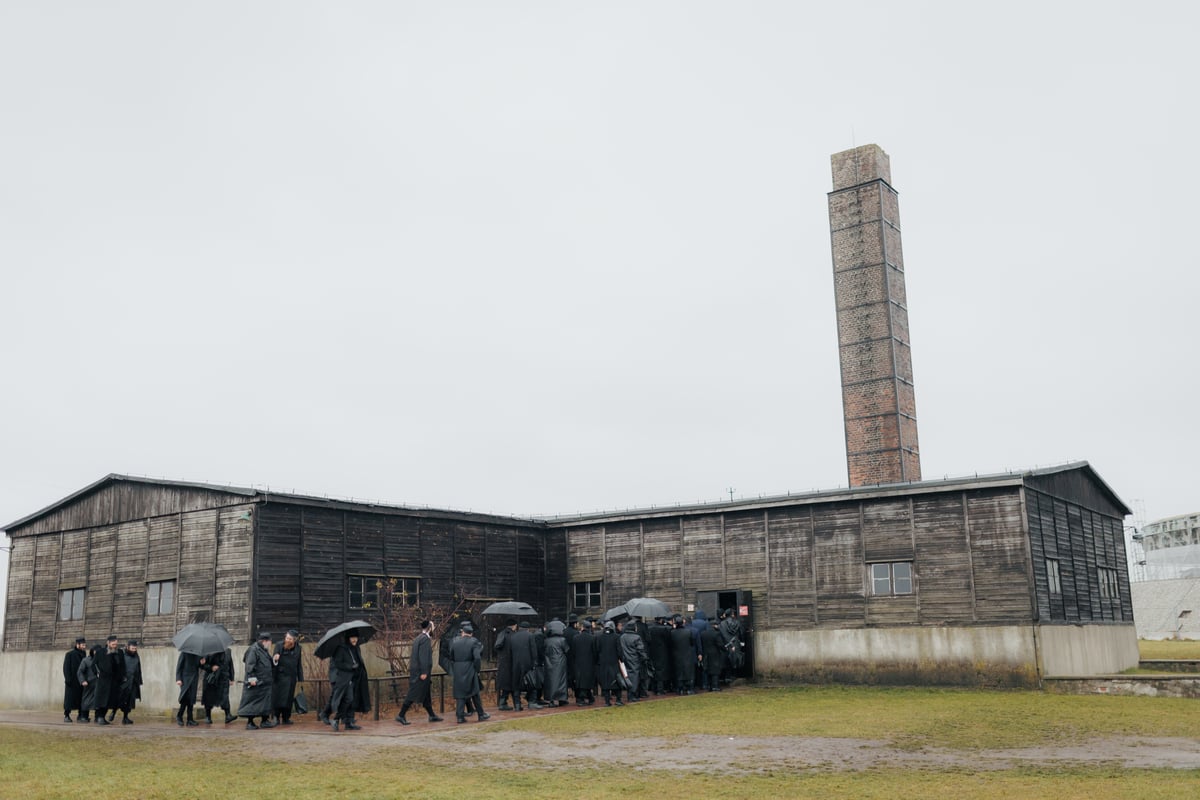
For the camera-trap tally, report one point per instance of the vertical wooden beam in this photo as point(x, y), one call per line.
point(767, 566)
point(966, 519)
point(812, 564)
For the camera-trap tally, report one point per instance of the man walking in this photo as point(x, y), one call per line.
point(289, 671)
point(72, 690)
point(130, 690)
point(258, 666)
point(466, 656)
point(110, 668)
point(420, 670)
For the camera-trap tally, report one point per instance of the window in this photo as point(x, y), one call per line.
point(365, 591)
point(890, 579)
point(70, 604)
point(1053, 577)
point(406, 592)
point(586, 594)
point(160, 598)
point(1109, 588)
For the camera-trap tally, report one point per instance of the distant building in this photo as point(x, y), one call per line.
point(1172, 547)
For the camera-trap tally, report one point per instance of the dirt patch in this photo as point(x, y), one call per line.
point(309, 741)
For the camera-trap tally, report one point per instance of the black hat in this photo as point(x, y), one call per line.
point(264, 636)
point(729, 612)
point(80, 640)
point(131, 643)
point(112, 637)
point(572, 618)
point(467, 626)
point(510, 622)
point(524, 623)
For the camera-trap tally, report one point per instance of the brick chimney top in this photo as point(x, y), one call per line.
point(861, 165)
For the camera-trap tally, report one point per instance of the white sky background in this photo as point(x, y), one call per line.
point(547, 257)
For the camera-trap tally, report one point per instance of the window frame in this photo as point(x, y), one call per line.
point(1110, 584)
point(78, 599)
point(880, 585)
point(588, 590)
point(1054, 577)
point(401, 594)
point(154, 594)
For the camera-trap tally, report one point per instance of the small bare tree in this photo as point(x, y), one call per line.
point(397, 619)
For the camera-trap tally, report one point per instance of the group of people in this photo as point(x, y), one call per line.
point(619, 658)
point(537, 667)
point(101, 681)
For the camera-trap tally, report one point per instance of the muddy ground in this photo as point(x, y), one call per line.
point(309, 741)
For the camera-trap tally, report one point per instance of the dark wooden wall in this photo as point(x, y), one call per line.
point(207, 552)
point(304, 555)
point(806, 563)
point(1083, 540)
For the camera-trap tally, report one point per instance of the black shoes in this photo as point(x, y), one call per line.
point(266, 723)
point(502, 707)
point(335, 725)
point(229, 717)
point(126, 721)
point(67, 718)
point(191, 723)
point(250, 726)
point(179, 719)
point(461, 720)
point(434, 718)
point(484, 715)
point(400, 718)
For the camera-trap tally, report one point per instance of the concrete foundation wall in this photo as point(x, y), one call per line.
point(1001, 655)
point(34, 680)
point(1087, 649)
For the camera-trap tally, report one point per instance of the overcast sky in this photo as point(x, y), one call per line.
point(546, 257)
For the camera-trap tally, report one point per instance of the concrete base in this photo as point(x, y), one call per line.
point(35, 681)
point(1001, 655)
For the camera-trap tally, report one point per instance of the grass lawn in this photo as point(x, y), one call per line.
point(1169, 648)
point(60, 761)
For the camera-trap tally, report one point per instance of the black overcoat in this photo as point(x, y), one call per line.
point(214, 693)
point(585, 661)
point(351, 690)
point(88, 674)
point(73, 691)
point(288, 672)
point(110, 668)
point(557, 652)
point(608, 655)
point(683, 656)
point(713, 651)
point(187, 674)
point(660, 650)
point(503, 663)
point(256, 699)
point(131, 683)
point(466, 655)
point(522, 654)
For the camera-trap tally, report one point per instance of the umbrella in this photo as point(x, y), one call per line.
point(556, 626)
point(647, 607)
point(333, 637)
point(202, 638)
point(511, 608)
point(615, 613)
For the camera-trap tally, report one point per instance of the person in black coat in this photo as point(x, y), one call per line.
point(504, 682)
point(660, 655)
point(351, 694)
point(289, 671)
point(712, 657)
point(187, 678)
point(87, 676)
point(110, 669)
point(634, 656)
point(72, 690)
point(522, 655)
point(420, 675)
point(131, 682)
point(466, 655)
point(558, 651)
point(608, 658)
point(585, 666)
point(683, 656)
point(539, 643)
point(259, 669)
point(570, 633)
point(219, 675)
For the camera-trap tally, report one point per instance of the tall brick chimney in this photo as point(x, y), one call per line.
point(878, 403)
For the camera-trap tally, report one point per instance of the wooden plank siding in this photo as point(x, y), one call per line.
point(662, 567)
point(999, 562)
point(942, 560)
point(1083, 540)
point(791, 585)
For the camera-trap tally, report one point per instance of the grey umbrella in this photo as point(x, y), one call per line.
point(647, 607)
point(202, 638)
point(615, 613)
point(511, 608)
point(333, 637)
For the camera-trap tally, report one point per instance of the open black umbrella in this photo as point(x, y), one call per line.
point(511, 608)
point(620, 612)
point(202, 638)
point(334, 636)
point(647, 608)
